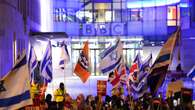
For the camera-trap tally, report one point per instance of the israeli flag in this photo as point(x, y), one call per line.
point(15, 88)
point(46, 64)
point(32, 62)
point(111, 58)
point(64, 56)
point(147, 63)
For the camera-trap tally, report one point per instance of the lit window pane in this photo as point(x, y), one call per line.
point(108, 16)
point(171, 12)
point(171, 22)
point(136, 14)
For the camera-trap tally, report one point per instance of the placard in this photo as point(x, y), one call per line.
point(101, 87)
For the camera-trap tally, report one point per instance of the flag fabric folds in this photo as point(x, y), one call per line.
point(124, 71)
point(146, 63)
point(32, 63)
point(159, 68)
point(46, 64)
point(135, 68)
point(191, 73)
point(118, 76)
point(64, 56)
point(111, 57)
point(114, 78)
point(15, 87)
point(140, 87)
point(82, 66)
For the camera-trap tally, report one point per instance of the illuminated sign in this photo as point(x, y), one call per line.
point(117, 28)
point(102, 29)
point(88, 29)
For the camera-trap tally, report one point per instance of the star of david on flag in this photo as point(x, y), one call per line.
point(111, 57)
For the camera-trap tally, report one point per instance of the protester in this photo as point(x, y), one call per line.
point(68, 104)
point(81, 105)
point(59, 96)
point(49, 104)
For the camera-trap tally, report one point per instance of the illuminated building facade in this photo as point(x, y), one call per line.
point(143, 26)
point(143, 23)
point(17, 19)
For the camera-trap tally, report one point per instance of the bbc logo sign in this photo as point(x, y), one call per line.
point(103, 29)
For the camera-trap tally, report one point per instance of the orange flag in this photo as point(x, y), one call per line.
point(82, 66)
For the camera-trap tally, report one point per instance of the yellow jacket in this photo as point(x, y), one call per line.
point(59, 95)
point(34, 90)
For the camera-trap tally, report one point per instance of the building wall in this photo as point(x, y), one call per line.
point(151, 23)
point(188, 35)
point(16, 23)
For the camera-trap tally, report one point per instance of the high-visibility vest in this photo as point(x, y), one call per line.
point(59, 95)
point(34, 90)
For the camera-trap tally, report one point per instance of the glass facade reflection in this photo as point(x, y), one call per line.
point(155, 20)
point(130, 49)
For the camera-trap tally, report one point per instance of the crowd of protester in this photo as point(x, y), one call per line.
point(118, 101)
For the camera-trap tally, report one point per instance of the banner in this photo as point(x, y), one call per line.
point(101, 87)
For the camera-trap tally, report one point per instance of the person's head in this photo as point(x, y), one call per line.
point(173, 80)
point(80, 98)
point(62, 86)
point(89, 98)
point(48, 97)
point(68, 98)
point(107, 98)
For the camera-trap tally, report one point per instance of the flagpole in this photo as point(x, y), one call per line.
point(64, 73)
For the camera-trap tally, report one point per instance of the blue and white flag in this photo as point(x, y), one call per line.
point(64, 56)
point(46, 64)
point(140, 88)
point(15, 87)
point(111, 58)
point(191, 73)
point(146, 63)
point(32, 62)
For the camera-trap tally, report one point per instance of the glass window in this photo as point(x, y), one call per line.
point(108, 16)
point(75, 56)
point(100, 16)
point(178, 16)
point(117, 5)
point(171, 16)
point(124, 15)
point(92, 55)
point(64, 15)
point(97, 52)
point(129, 52)
point(102, 6)
point(70, 15)
point(84, 16)
point(117, 15)
point(136, 14)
